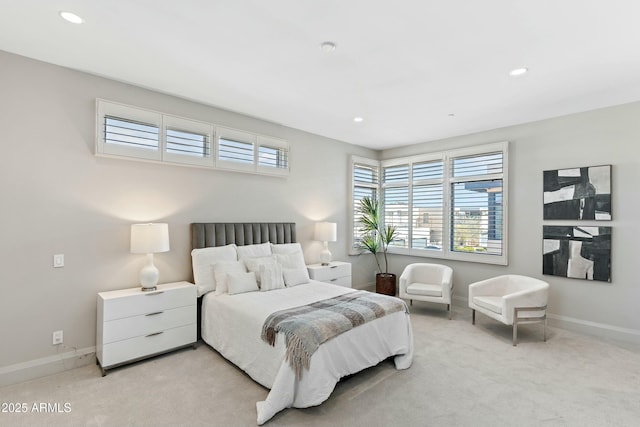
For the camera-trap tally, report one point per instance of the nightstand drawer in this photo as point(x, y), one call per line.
point(129, 327)
point(148, 345)
point(327, 273)
point(126, 305)
point(340, 281)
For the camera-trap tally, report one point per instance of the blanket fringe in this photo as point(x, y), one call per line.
point(297, 355)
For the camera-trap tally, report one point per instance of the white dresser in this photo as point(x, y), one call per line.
point(133, 325)
point(337, 273)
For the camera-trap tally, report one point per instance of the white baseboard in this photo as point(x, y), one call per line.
point(45, 366)
point(602, 330)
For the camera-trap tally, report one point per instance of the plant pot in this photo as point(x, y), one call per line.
point(386, 283)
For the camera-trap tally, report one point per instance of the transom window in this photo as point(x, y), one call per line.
point(135, 133)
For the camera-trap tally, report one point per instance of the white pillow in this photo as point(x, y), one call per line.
point(294, 269)
point(295, 276)
point(254, 264)
point(241, 282)
point(271, 277)
point(202, 261)
point(252, 251)
point(222, 269)
point(292, 260)
point(286, 248)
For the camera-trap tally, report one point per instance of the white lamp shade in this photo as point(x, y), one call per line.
point(326, 231)
point(149, 238)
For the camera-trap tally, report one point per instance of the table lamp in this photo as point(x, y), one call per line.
point(326, 232)
point(149, 239)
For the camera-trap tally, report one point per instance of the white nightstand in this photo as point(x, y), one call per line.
point(133, 325)
point(337, 273)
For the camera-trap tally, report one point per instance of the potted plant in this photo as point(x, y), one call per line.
point(375, 239)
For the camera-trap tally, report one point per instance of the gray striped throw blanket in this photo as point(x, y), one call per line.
point(308, 326)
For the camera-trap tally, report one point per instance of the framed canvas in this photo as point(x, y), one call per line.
point(578, 193)
point(577, 252)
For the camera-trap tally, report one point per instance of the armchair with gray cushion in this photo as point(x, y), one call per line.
point(427, 282)
point(511, 299)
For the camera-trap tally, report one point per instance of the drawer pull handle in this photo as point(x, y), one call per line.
point(154, 293)
point(334, 266)
point(154, 314)
point(154, 334)
point(333, 280)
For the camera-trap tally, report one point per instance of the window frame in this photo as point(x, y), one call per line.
point(212, 133)
point(367, 162)
point(446, 182)
point(126, 113)
point(188, 126)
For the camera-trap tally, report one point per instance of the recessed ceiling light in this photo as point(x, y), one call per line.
point(518, 71)
point(328, 46)
point(71, 17)
point(358, 119)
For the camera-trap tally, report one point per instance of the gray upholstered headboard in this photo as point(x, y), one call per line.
point(207, 234)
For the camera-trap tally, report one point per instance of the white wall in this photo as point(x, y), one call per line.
point(606, 136)
point(57, 197)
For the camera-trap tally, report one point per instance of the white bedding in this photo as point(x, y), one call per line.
point(232, 324)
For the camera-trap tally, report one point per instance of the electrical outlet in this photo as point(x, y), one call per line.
point(57, 337)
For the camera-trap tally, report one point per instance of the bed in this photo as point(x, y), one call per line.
point(231, 322)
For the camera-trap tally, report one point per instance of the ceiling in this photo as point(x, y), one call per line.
point(414, 70)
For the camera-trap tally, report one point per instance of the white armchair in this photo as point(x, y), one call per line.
point(427, 282)
point(511, 299)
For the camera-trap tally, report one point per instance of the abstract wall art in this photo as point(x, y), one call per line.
point(578, 193)
point(579, 252)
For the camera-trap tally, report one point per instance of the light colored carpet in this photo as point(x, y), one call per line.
point(462, 375)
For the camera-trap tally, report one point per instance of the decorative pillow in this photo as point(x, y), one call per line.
point(286, 248)
point(241, 282)
point(222, 269)
point(294, 269)
point(252, 251)
point(295, 276)
point(202, 261)
point(271, 277)
point(292, 260)
point(254, 264)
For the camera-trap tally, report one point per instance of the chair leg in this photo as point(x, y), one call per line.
point(515, 332)
point(449, 308)
point(473, 316)
point(545, 328)
point(410, 302)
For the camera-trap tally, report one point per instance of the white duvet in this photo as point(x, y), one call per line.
point(232, 324)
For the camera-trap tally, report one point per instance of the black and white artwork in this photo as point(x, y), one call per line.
point(577, 252)
point(578, 193)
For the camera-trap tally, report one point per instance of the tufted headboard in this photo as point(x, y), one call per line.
point(207, 234)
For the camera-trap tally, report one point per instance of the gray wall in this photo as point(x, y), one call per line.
point(606, 136)
point(57, 197)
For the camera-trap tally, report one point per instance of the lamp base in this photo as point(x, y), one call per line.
point(325, 255)
point(149, 275)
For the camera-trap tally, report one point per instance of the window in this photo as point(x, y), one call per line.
point(273, 156)
point(187, 141)
point(128, 132)
point(445, 205)
point(364, 178)
point(477, 208)
point(239, 150)
point(125, 131)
